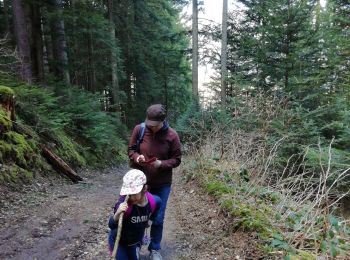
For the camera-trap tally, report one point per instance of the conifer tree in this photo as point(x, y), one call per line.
point(195, 48)
point(132, 52)
point(59, 42)
point(224, 52)
point(113, 57)
point(22, 39)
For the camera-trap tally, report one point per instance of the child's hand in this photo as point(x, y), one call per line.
point(140, 159)
point(122, 208)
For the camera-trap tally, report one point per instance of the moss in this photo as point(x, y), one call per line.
point(15, 137)
point(250, 218)
point(5, 121)
point(4, 178)
point(306, 255)
point(5, 150)
point(251, 213)
point(14, 174)
point(25, 152)
point(68, 150)
point(22, 150)
point(6, 91)
point(303, 255)
point(28, 175)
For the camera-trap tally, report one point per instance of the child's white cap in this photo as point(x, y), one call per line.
point(133, 182)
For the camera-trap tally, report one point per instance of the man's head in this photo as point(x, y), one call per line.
point(155, 116)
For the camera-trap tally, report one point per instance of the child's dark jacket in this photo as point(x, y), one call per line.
point(135, 222)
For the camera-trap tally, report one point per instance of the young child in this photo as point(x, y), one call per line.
point(139, 209)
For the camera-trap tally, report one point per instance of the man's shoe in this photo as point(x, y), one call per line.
point(155, 255)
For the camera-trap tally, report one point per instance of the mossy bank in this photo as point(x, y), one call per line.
point(73, 126)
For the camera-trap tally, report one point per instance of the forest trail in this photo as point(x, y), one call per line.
point(65, 221)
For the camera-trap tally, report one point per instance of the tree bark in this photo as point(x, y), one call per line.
point(224, 52)
point(195, 49)
point(6, 17)
point(59, 42)
point(91, 66)
point(37, 42)
point(114, 64)
point(22, 41)
point(287, 51)
point(48, 48)
point(76, 50)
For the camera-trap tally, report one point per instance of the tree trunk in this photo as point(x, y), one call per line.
point(76, 50)
point(48, 54)
point(6, 18)
point(37, 44)
point(59, 41)
point(22, 41)
point(114, 64)
point(224, 52)
point(195, 49)
point(287, 51)
point(92, 73)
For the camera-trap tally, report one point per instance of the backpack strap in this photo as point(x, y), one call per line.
point(128, 211)
point(140, 136)
point(151, 201)
point(120, 201)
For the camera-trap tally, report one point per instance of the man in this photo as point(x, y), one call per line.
point(162, 142)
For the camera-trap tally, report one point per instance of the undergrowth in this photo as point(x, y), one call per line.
point(276, 170)
point(288, 228)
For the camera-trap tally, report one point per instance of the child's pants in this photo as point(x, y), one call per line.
point(128, 252)
point(124, 252)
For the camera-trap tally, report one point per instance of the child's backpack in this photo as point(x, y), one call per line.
point(113, 232)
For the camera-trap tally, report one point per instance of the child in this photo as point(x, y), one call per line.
point(139, 209)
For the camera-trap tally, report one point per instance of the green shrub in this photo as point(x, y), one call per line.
point(100, 133)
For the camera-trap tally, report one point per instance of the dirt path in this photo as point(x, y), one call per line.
point(65, 221)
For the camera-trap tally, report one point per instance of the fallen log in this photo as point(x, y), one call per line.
point(60, 165)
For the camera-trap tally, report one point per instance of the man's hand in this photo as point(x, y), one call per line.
point(157, 164)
